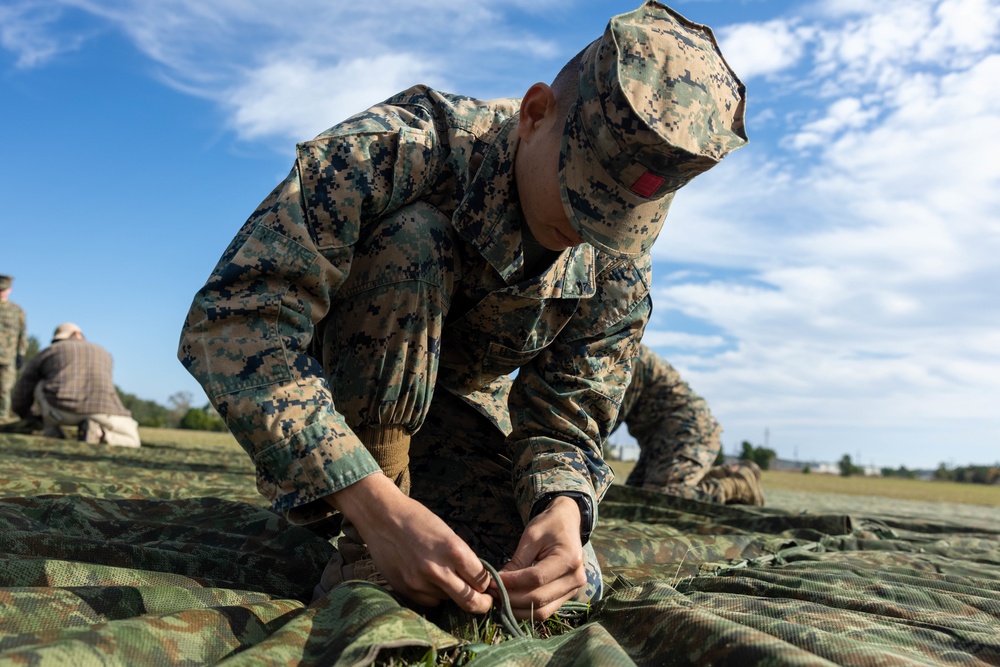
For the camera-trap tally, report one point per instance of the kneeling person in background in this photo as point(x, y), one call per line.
point(679, 439)
point(70, 383)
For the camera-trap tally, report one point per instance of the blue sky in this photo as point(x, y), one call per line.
point(833, 285)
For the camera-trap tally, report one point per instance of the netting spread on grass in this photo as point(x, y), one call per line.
point(166, 556)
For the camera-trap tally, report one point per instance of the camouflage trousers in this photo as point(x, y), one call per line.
point(380, 347)
point(8, 375)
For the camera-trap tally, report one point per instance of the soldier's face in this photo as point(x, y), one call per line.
point(537, 170)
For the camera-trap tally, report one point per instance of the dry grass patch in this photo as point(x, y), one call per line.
point(886, 487)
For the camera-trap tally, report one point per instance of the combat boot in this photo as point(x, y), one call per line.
point(729, 469)
point(742, 485)
point(90, 432)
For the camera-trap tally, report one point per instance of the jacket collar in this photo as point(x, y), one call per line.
point(490, 218)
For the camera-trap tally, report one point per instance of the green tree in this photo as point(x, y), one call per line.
point(203, 419)
point(902, 471)
point(942, 473)
point(847, 467)
point(180, 403)
point(147, 413)
point(762, 456)
point(977, 474)
point(33, 349)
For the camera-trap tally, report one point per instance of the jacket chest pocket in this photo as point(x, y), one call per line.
point(500, 335)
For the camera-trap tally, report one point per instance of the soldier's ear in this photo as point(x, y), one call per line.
point(538, 111)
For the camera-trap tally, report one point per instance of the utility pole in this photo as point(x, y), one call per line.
point(767, 436)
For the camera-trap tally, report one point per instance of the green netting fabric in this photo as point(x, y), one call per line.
point(165, 556)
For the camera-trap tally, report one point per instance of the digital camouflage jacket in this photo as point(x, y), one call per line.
point(13, 333)
point(569, 333)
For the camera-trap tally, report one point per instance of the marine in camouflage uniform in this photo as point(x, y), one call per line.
point(13, 344)
point(369, 315)
point(678, 438)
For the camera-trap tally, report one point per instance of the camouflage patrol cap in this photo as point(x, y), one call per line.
point(657, 105)
point(6, 281)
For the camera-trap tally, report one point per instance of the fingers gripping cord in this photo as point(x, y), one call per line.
point(507, 619)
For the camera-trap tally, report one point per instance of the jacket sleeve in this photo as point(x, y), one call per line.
point(564, 404)
point(247, 336)
point(669, 421)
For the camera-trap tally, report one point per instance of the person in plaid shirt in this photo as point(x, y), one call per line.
point(70, 384)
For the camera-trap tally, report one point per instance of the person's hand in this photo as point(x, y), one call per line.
point(419, 555)
point(548, 567)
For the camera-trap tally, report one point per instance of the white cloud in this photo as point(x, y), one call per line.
point(322, 95)
point(682, 340)
point(758, 49)
point(844, 113)
point(25, 30)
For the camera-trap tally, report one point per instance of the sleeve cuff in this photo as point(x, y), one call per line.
point(308, 466)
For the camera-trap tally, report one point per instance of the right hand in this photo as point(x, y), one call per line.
point(419, 555)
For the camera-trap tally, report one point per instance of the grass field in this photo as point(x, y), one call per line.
point(775, 483)
point(889, 488)
point(886, 487)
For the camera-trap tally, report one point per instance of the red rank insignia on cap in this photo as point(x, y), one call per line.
point(647, 184)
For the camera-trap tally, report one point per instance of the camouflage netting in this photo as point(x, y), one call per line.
point(165, 555)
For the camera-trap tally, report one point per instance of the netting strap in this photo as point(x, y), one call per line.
point(507, 619)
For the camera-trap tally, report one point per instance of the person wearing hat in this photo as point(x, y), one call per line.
point(361, 333)
point(679, 440)
point(70, 383)
point(13, 343)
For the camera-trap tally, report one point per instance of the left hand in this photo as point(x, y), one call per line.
point(548, 567)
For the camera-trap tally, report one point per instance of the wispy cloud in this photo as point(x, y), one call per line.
point(288, 71)
point(26, 30)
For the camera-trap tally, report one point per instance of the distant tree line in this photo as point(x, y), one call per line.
point(969, 474)
point(965, 474)
point(180, 414)
point(901, 471)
